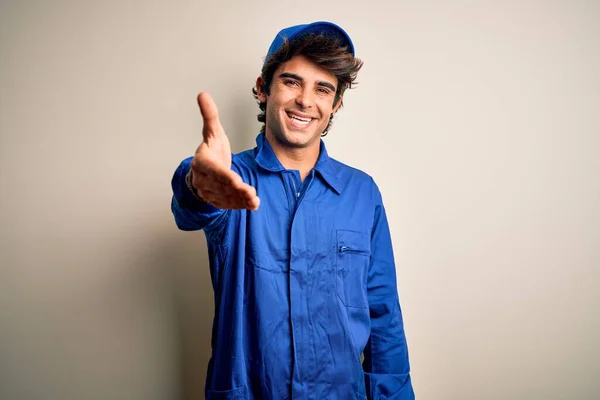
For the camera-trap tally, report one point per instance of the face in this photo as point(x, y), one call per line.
point(300, 103)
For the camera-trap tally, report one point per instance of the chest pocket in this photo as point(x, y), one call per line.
point(353, 256)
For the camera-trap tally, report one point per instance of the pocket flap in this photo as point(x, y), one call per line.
point(353, 241)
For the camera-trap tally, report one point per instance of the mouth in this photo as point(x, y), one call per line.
point(298, 121)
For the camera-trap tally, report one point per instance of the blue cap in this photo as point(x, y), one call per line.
point(321, 27)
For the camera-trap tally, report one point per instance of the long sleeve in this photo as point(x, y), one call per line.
point(191, 214)
point(386, 363)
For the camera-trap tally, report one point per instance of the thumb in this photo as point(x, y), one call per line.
point(210, 114)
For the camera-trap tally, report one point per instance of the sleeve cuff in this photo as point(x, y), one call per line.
point(389, 386)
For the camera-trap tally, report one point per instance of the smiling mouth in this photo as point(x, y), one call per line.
point(299, 122)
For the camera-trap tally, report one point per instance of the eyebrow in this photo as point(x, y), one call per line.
point(299, 78)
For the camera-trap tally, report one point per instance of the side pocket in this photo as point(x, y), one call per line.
point(353, 255)
point(233, 394)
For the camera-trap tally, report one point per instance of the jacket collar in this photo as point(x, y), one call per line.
point(265, 157)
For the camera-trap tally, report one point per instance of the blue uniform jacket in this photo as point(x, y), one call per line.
point(304, 287)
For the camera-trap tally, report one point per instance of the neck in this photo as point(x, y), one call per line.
point(302, 159)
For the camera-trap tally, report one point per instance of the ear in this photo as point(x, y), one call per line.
point(260, 90)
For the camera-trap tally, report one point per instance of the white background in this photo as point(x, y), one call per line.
point(479, 120)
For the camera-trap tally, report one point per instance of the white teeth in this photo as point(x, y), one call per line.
point(299, 120)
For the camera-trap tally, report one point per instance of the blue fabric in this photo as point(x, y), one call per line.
point(303, 286)
point(321, 27)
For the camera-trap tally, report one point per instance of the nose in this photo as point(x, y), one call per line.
point(305, 98)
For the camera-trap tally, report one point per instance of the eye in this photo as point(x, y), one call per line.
point(323, 90)
point(290, 82)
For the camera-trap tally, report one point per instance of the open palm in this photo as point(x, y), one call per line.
point(212, 176)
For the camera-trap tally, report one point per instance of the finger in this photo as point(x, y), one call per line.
point(210, 115)
point(230, 202)
point(243, 193)
point(235, 180)
point(250, 192)
point(248, 197)
point(253, 204)
point(223, 196)
point(234, 200)
point(227, 203)
point(217, 200)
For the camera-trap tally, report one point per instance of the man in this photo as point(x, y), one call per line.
point(304, 279)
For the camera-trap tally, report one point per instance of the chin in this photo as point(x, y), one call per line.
point(297, 140)
point(303, 140)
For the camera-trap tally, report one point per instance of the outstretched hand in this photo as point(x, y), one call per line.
point(212, 176)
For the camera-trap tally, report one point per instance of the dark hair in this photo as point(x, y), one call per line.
point(325, 51)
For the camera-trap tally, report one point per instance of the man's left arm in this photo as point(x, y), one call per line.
point(386, 364)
